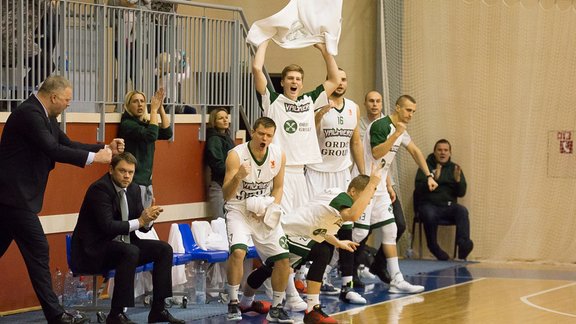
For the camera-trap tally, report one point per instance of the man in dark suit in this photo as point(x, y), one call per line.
point(105, 239)
point(31, 144)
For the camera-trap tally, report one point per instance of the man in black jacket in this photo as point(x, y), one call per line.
point(104, 238)
point(31, 144)
point(441, 205)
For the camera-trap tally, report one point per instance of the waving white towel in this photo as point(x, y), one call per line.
point(300, 24)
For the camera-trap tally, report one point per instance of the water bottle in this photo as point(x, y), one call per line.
point(85, 293)
point(58, 284)
point(190, 283)
point(200, 284)
point(80, 292)
point(66, 61)
point(69, 293)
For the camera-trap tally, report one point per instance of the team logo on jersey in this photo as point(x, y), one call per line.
point(338, 132)
point(283, 242)
point(320, 232)
point(290, 126)
point(295, 108)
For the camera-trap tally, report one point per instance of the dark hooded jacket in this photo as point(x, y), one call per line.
point(215, 152)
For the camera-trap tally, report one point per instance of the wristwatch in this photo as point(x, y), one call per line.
point(431, 175)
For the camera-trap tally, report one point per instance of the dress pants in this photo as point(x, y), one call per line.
point(24, 227)
point(124, 258)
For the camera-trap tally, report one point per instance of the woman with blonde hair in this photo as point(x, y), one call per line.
point(218, 143)
point(140, 130)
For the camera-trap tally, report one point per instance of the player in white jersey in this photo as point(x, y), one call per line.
point(373, 107)
point(340, 143)
point(310, 231)
point(293, 112)
point(381, 143)
point(255, 173)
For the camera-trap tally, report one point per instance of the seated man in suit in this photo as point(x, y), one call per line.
point(441, 204)
point(104, 239)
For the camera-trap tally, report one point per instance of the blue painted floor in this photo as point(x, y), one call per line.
point(431, 274)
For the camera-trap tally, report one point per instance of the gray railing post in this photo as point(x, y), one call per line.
point(235, 79)
point(101, 70)
point(204, 78)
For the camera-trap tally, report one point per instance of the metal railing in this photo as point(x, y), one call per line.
point(202, 59)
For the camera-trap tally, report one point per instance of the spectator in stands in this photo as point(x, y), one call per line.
point(31, 144)
point(170, 76)
point(104, 239)
point(441, 204)
point(141, 130)
point(46, 36)
point(218, 143)
point(128, 45)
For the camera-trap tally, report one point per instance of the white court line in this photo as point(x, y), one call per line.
point(527, 302)
point(356, 310)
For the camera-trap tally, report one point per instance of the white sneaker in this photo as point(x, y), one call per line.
point(295, 304)
point(364, 273)
point(349, 296)
point(400, 286)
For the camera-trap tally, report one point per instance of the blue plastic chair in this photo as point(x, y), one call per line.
point(195, 252)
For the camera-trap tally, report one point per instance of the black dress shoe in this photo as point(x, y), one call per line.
point(439, 254)
point(71, 318)
point(163, 316)
point(464, 249)
point(119, 319)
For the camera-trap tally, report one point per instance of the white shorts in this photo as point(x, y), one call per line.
point(318, 181)
point(299, 247)
point(377, 214)
point(241, 226)
point(295, 188)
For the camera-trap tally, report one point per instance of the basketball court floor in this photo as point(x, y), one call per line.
point(456, 292)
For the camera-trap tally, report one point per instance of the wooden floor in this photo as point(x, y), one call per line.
point(495, 293)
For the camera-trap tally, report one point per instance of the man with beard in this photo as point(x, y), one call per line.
point(340, 142)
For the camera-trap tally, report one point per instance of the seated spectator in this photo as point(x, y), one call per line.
point(218, 143)
point(104, 239)
point(441, 204)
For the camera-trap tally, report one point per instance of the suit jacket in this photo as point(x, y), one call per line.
point(100, 222)
point(31, 144)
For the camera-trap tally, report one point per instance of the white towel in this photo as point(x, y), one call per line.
point(258, 205)
point(273, 215)
point(175, 241)
point(300, 24)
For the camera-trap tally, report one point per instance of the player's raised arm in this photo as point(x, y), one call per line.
point(332, 79)
point(260, 81)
